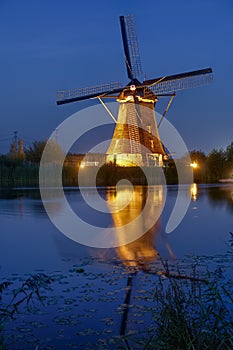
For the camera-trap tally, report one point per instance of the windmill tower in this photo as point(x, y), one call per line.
point(136, 138)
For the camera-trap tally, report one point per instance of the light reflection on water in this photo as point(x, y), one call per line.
point(89, 304)
point(204, 230)
point(142, 250)
point(194, 191)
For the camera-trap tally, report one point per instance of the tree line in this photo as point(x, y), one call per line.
point(23, 169)
point(218, 164)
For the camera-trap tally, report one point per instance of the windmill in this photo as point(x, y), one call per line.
point(136, 138)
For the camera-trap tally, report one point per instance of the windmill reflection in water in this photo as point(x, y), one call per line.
point(140, 253)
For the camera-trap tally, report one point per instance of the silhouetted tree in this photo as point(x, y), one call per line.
point(34, 152)
point(53, 151)
point(199, 172)
point(216, 165)
point(229, 160)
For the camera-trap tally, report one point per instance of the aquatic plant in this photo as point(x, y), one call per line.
point(191, 313)
point(29, 291)
point(192, 316)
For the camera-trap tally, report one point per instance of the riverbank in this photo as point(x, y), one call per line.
point(106, 298)
point(87, 307)
point(27, 175)
point(24, 171)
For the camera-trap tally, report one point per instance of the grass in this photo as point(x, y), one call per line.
point(191, 314)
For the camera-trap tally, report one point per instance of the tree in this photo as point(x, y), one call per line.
point(199, 172)
point(229, 160)
point(229, 153)
point(34, 153)
point(216, 165)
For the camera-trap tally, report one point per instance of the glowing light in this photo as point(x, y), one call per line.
point(132, 87)
point(125, 163)
point(125, 159)
point(82, 166)
point(194, 165)
point(194, 191)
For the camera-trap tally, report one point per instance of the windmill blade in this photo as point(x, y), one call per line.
point(177, 82)
point(129, 37)
point(68, 96)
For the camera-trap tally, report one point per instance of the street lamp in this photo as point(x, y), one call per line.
point(194, 165)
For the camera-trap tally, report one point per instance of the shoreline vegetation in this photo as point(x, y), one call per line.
point(22, 170)
point(191, 310)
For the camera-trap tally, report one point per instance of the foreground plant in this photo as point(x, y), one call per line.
point(27, 293)
point(192, 313)
point(191, 317)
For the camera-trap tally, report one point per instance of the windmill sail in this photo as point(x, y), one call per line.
point(177, 82)
point(129, 37)
point(136, 139)
point(67, 96)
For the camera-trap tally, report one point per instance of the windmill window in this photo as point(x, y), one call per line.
point(149, 128)
point(152, 144)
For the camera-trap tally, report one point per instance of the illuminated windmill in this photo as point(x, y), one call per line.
point(136, 139)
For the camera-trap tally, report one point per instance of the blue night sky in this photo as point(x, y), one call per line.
point(49, 45)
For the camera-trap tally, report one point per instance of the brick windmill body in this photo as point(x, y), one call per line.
point(136, 141)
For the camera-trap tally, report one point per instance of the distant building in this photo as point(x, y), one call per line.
point(82, 160)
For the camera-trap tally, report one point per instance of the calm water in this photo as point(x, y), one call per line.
point(84, 310)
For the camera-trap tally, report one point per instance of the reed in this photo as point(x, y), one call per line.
point(26, 294)
point(192, 313)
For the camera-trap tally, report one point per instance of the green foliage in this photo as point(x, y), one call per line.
point(70, 175)
point(229, 160)
point(229, 153)
point(171, 172)
point(34, 152)
point(9, 162)
point(216, 165)
point(191, 316)
point(200, 173)
point(191, 313)
point(18, 172)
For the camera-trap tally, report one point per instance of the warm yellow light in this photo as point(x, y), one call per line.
point(193, 191)
point(132, 87)
point(194, 165)
point(125, 160)
point(82, 165)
